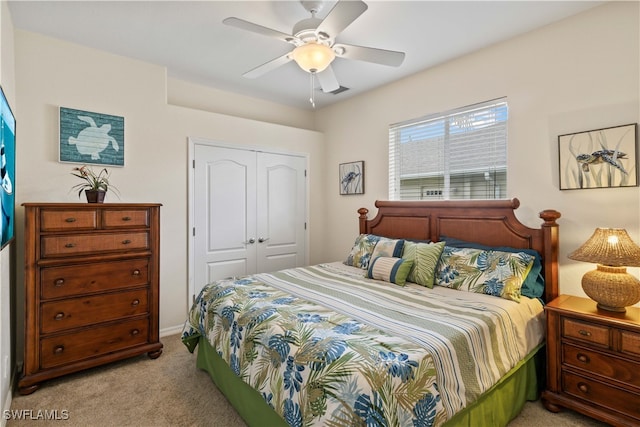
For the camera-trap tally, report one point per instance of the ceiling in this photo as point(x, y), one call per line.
point(190, 40)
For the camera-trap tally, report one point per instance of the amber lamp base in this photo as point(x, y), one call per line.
point(611, 287)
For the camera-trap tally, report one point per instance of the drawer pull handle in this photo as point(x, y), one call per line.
point(70, 245)
point(583, 387)
point(70, 220)
point(584, 333)
point(58, 282)
point(126, 242)
point(59, 316)
point(136, 272)
point(135, 332)
point(582, 358)
point(135, 302)
point(58, 349)
point(126, 218)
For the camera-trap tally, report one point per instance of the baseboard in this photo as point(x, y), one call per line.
point(171, 331)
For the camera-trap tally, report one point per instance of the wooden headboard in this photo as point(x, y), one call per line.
point(489, 222)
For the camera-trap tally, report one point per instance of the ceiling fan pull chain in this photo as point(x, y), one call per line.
point(312, 96)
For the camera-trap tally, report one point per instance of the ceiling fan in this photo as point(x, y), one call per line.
point(315, 45)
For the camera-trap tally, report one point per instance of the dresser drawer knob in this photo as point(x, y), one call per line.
point(70, 245)
point(135, 302)
point(58, 282)
point(136, 272)
point(70, 220)
point(584, 333)
point(582, 358)
point(59, 316)
point(135, 332)
point(126, 242)
point(126, 218)
point(583, 387)
point(58, 349)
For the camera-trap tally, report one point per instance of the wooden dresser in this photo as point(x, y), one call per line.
point(593, 361)
point(91, 286)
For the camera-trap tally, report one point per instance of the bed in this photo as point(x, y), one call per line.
point(399, 331)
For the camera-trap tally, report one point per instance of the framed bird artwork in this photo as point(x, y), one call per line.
point(600, 158)
point(351, 177)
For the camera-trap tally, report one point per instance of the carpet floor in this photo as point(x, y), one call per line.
point(170, 391)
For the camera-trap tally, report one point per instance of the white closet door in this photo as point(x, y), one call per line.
point(224, 213)
point(281, 204)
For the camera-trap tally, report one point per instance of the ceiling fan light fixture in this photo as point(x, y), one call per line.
point(313, 57)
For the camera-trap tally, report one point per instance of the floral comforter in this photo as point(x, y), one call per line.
point(325, 346)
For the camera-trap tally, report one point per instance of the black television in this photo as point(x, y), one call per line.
point(7, 170)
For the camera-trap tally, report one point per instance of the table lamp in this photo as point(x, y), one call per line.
point(609, 284)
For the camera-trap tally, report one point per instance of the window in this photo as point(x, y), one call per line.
point(459, 154)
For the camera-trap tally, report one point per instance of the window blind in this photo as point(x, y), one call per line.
point(459, 154)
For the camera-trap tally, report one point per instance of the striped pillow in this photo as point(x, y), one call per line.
point(389, 269)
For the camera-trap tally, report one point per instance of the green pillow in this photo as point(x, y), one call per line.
point(389, 269)
point(426, 261)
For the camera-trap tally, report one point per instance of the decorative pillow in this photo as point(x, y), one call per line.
point(389, 269)
point(426, 261)
point(489, 272)
point(360, 254)
point(388, 248)
point(533, 285)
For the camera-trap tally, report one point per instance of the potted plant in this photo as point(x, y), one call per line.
point(94, 185)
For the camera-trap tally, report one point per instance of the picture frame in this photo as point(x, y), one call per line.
point(91, 138)
point(351, 177)
point(599, 158)
point(7, 171)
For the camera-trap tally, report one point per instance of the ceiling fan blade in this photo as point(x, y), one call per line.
point(340, 17)
point(328, 80)
point(258, 29)
point(369, 54)
point(267, 66)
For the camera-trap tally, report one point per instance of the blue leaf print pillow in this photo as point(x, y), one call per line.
point(361, 251)
point(488, 272)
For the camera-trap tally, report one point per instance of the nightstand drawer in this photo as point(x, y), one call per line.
point(630, 343)
point(601, 364)
point(92, 342)
point(75, 312)
point(93, 277)
point(52, 220)
point(602, 395)
point(87, 243)
point(586, 332)
point(125, 218)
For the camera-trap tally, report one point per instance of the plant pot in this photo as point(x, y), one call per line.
point(95, 196)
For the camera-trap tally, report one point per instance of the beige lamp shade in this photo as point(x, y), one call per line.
point(610, 285)
point(313, 57)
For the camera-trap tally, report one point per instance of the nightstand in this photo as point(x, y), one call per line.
point(593, 361)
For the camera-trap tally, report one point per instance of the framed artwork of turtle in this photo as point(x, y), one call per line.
point(91, 138)
point(600, 158)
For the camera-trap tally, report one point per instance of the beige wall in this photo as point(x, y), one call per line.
point(53, 73)
point(575, 75)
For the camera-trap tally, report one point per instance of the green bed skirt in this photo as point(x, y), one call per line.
point(502, 403)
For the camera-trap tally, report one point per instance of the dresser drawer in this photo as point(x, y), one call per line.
point(630, 343)
point(52, 246)
point(602, 395)
point(112, 218)
point(586, 332)
point(74, 312)
point(89, 343)
point(81, 279)
point(53, 220)
point(610, 367)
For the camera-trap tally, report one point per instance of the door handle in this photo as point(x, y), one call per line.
point(262, 239)
point(251, 241)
